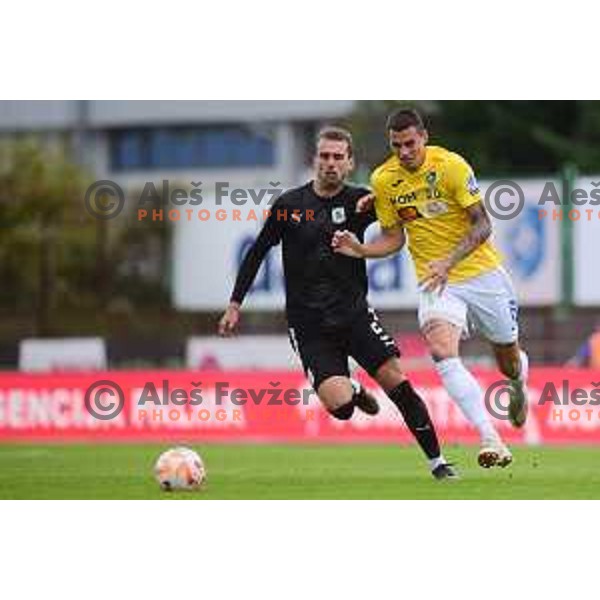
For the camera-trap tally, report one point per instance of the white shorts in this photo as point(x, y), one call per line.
point(486, 303)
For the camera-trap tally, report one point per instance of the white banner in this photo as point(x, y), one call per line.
point(208, 253)
point(586, 243)
point(530, 243)
point(244, 352)
point(62, 354)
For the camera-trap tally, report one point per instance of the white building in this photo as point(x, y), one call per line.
point(250, 142)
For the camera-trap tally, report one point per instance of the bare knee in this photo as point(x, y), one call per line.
point(334, 393)
point(390, 374)
point(442, 339)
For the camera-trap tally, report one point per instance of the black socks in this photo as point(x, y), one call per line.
point(413, 410)
point(416, 416)
point(345, 412)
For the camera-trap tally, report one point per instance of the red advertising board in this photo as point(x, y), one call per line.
point(267, 407)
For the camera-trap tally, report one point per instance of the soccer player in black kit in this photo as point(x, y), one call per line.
point(328, 314)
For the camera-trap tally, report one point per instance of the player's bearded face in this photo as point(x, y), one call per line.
point(409, 145)
point(332, 163)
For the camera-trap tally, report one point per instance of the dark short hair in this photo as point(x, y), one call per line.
point(403, 119)
point(337, 134)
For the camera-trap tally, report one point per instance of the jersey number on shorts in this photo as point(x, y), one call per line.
point(378, 329)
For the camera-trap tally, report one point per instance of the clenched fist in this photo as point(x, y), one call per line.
point(346, 243)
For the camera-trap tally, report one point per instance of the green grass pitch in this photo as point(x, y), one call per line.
point(294, 472)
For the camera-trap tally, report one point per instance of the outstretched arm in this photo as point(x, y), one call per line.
point(268, 237)
point(478, 233)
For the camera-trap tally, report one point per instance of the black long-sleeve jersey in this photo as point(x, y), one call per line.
point(323, 288)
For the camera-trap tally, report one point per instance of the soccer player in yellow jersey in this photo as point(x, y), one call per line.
point(428, 197)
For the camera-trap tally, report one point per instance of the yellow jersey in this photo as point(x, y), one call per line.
point(430, 204)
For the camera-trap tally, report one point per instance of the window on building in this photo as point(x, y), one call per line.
point(189, 147)
point(128, 150)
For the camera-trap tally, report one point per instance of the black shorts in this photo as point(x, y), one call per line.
point(324, 353)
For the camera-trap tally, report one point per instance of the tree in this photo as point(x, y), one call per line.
point(499, 137)
point(40, 198)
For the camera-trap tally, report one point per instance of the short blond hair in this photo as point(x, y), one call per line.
point(337, 134)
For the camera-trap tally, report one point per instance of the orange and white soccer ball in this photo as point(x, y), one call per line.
point(179, 469)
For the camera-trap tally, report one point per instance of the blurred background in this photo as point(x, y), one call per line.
point(147, 292)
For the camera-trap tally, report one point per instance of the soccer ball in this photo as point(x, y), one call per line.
point(179, 469)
